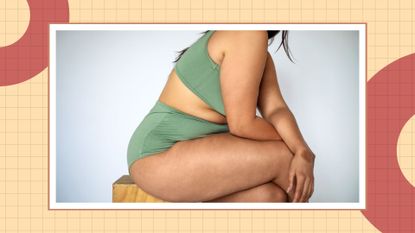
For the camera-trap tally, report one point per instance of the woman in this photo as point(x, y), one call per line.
point(202, 140)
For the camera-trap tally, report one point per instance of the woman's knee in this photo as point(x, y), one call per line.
point(283, 148)
point(282, 155)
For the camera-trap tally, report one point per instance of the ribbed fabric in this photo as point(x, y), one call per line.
point(200, 73)
point(162, 127)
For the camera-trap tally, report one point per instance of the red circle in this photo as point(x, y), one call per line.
point(390, 198)
point(29, 55)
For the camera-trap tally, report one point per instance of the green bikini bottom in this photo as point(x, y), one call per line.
point(162, 127)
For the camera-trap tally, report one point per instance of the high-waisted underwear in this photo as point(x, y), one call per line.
point(162, 127)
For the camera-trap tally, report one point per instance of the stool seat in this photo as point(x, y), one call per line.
point(125, 190)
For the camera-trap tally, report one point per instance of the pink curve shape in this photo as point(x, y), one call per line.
point(29, 55)
point(390, 104)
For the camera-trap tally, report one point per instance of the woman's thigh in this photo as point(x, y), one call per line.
point(268, 192)
point(206, 168)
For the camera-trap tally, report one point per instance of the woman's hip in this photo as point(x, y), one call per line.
point(163, 126)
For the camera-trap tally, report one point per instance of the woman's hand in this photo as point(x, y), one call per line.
point(302, 166)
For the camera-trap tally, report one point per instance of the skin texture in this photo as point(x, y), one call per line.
point(258, 159)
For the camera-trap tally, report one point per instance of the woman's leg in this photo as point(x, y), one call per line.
point(268, 192)
point(211, 167)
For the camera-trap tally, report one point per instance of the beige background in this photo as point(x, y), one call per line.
point(24, 123)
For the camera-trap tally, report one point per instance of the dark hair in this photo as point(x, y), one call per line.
point(271, 35)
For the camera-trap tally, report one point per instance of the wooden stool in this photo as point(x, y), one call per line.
point(125, 190)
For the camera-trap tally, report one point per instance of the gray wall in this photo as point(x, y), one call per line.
point(107, 82)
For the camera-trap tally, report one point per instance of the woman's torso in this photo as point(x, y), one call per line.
point(178, 96)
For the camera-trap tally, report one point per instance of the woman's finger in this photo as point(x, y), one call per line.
point(299, 187)
point(305, 190)
point(292, 192)
point(290, 181)
point(312, 188)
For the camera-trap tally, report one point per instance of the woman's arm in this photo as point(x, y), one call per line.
point(257, 129)
point(240, 75)
point(273, 108)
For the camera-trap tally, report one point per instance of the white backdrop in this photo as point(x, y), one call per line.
point(107, 81)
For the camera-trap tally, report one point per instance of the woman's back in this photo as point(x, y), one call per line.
point(198, 66)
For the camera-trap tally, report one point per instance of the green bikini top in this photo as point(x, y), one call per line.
point(200, 73)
